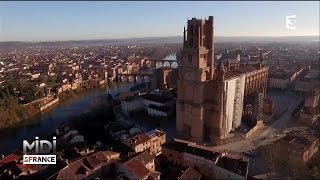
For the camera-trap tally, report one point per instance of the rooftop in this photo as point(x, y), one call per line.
point(233, 162)
point(144, 137)
point(280, 75)
point(190, 173)
point(187, 148)
point(159, 108)
point(144, 157)
point(85, 166)
point(157, 98)
point(233, 165)
point(137, 165)
point(211, 155)
point(131, 98)
point(139, 139)
point(137, 168)
point(241, 70)
point(9, 158)
point(299, 140)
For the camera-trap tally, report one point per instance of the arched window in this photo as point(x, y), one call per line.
point(191, 30)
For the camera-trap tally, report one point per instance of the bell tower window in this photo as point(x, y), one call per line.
point(191, 36)
point(191, 42)
point(191, 30)
point(190, 59)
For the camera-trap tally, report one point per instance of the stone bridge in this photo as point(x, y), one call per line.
point(164, 63)
point(139, 77)
point(146, 75)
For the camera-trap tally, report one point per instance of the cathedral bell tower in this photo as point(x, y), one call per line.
point(197, 69)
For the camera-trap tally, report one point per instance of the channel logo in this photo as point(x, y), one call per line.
point(38, 151)
point(291, 22)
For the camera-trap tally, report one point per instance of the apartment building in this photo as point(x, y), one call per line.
point(151, 141)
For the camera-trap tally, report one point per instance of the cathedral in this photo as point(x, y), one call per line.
point(211, 94)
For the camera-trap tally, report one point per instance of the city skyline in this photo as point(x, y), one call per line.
point(56, 21)
point(196, 104)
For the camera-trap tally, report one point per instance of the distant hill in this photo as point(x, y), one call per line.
point(83, 43)
point(147, 40)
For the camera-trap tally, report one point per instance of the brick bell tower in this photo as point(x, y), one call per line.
point(197, 69)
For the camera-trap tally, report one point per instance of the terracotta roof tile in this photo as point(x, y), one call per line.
point(139, 139)
point(85, 166)
point(190, 174)
point(137, 168)
point(9, 158)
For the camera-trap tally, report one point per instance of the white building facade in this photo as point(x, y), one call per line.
point(233, 101)
point(131, 104)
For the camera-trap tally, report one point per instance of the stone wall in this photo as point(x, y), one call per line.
point(49, 104)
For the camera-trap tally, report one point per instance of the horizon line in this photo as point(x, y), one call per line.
point(128, 38)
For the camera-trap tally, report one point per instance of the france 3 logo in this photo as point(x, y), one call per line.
point(291, 22)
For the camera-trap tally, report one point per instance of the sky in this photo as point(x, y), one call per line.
point(60, 20)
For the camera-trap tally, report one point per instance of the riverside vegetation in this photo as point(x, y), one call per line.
point(12, 97)
point(16, 100)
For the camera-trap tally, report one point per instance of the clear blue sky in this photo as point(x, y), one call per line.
point(41, 21)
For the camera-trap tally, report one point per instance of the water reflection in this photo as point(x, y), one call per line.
point(46, 122)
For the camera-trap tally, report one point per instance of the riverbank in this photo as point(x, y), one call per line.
point(46, 122)
point(17, 113)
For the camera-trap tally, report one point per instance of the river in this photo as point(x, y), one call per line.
point(46, 122)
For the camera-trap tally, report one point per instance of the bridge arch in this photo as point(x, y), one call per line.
point(166, 64)
point(174, 65)
point(159, 64)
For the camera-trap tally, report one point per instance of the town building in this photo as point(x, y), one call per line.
point(11, 167)
point(151, 141)
point(310, 113)
point(279, 82)
point(313, 98)
point(140, 167)
point(7, 163)
point(211, 98)
point(283, 78)
point(299, 145)
point(93, 166)
point(211, 164)
point(131, 104)
point(156, 104)
point(190, 174)
point(308, 82)
point(164, 77)
point(67, 135)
